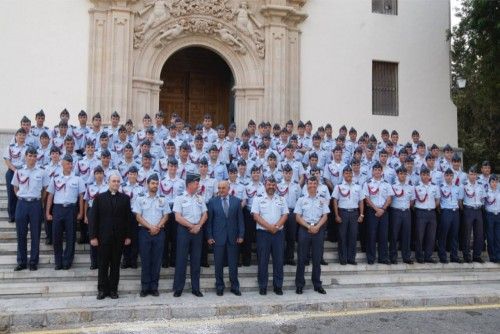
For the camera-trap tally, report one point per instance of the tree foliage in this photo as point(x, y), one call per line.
point(475, 57)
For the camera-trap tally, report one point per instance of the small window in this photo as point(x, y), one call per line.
point(385, 88)
point(389, 7)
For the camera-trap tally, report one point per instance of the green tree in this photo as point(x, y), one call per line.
point(475, 57)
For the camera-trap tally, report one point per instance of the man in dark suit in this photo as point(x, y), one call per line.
point(225, 230)
point(110, 229)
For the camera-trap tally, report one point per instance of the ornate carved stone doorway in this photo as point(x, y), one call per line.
point(197, 81)
point(130, 41)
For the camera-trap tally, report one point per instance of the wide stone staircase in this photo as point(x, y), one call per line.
point(46, 287)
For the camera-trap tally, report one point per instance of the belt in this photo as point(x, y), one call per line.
point(455, 209)
point(493, 213)
point(472, 207)
point(426, 210)
point(66, 205)
point(349, 210)
point(398, 209)
point(29, 199)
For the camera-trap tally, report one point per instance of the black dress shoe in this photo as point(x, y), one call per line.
point(467, 259)
point(154, 293)
point(408, 261)
point(220, 292)
point(394, 261)
point(33, 267)
point(431, 260)
point(205, 265)
point(343, 263)
point(164, 265)
point(384, 262)
point(93, 267)
point(177, 293)
point(298, 291)
point(133, 266)
point(320, 290)
point(371, 262)
point(457, 260)
point(478, 260)
point(143, 293)
point(420, 261)
point(20, 267)
point(354, 263)
point(124, 265)
point(113, 295)
point(66, 267)
point(48, 242)
point(236, 292)
point(57, 267)
point(246, 263)
point(278, 291)
point(444, 261)
point(323, 262)
point(197, 293)
point(262, 291)
point(101, 295)
point(291, 262)
point(11, 220)
point(172, 264)
point(307, 263)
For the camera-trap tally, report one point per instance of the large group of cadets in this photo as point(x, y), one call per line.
point(391, 178)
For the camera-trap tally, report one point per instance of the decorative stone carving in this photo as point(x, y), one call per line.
point(160, 13)
point(227, 37)
point(170, 34)
point(216, 8)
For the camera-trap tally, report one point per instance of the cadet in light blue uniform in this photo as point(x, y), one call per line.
point(427, 197)
point(349, 212)
point(311, 214)
point(151, 212)
point(190, 213)
point(65, 191)
point(473, 218)
point(400, 217)
point(29, 185)
point(270, 213)
point(14, 159)
point(132, 189)
point(492, 208)
point(451, 201)
point(98, 187)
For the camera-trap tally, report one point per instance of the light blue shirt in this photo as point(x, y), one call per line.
point(66, 188)
point(207, 188)
point(450, 195)
point(403, 194)
point(473, 194)
point(237, 189)
point(269, 208)
point(311, 208)
point(252, 190)
point(290, 192)
point(171, 188)
point(426, 195)
point(348, 195)
point(30, 182)
point(492, 200)
point(333, 172)
point(190, 207)
point(15, 154)
point(151, 208)
point(132, 191)
point(377, 191)
point(93, 190)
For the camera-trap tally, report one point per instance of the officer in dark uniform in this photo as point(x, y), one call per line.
point(29, 185)
point(311, 214)
point(190, 213)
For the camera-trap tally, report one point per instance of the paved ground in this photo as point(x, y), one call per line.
point(452, 319)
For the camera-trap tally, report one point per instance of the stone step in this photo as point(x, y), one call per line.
point(131, 285)
point(83, 273)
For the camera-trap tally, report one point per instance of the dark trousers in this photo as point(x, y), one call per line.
point(473, 223)
point(377, 233)
point(110, 253)
point(449, 225)
point(94, 252)
point(232, 252)
point(204, 246)
point(151, 251)
point(246, 246)
point(400, 223)
point(11, 195)
point(425, 230)
point(131, 251)
point(28, 214)
point(290, 236)
point(64, 221)
point(313, 243)
point(493, 235)
point(47, 223)
point(170, 247)
point(187, 244)
point(267, 244)
point(347, 234)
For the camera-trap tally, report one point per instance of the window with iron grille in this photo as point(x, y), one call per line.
point(385, 88)
point(389, 7)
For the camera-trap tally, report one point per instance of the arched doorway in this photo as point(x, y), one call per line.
point(197, 81)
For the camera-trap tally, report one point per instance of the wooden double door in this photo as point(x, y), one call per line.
point(197, 81)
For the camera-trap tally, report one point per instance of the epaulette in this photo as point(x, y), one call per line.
point(141, 194)
point(433, 183)
point(41, 167)
point(12, 145)
point(124, 184)
point(162, 196)
point(32, 126)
